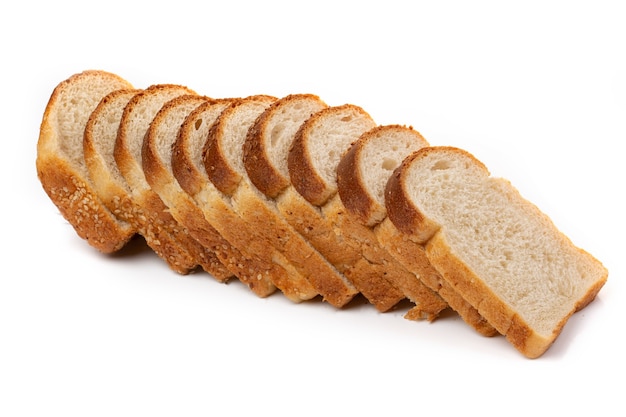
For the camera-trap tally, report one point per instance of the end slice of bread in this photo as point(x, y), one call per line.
point(182, 250)
point(498, 250)
point(362, 175)
point(225, 167)
point(60, 162)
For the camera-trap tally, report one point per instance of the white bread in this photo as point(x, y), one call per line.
point(60, 162)
point(362, 175)
point(498, 250)
point(157, 166)
point(134, 123)
point(314, 156)
point(225, 167)
point(265, 158)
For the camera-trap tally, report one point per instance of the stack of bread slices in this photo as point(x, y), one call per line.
point(292, 195)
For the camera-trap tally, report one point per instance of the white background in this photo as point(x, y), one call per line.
point(536, 90)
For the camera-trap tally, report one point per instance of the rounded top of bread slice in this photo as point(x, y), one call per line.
point(364, 170)
point(318, 146)
point(525, 266)
point(68, 110)
point(269, 139)
point(223, 149)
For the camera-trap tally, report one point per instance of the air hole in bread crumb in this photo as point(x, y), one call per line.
point(389, 164)
point(440, 166)
point(346, 119)
point(198, 124)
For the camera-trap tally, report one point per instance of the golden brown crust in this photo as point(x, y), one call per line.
point(67, 185)
point(79, 205)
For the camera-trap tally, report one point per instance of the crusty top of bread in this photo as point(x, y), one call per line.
point(365, 168)
point(60, 159)
point(313, 157)
point(504, 255)
point(269, 140)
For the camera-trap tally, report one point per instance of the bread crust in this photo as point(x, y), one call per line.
point(66, 183)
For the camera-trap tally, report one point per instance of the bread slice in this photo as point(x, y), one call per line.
point(265, 158)
point(223, 158)
point(157, 166)
point(60, 163)
point(181, 248)
point(268, 266)
point(498, 250)
point(315, 154)
point(362, 175)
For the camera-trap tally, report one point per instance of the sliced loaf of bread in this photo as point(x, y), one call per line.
point(362, 175)
point(314, 156)
point(498, 250)
point(265, 157)
point(60, 160)
point(134, 123)
point(224, 164)
point(157, 165)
